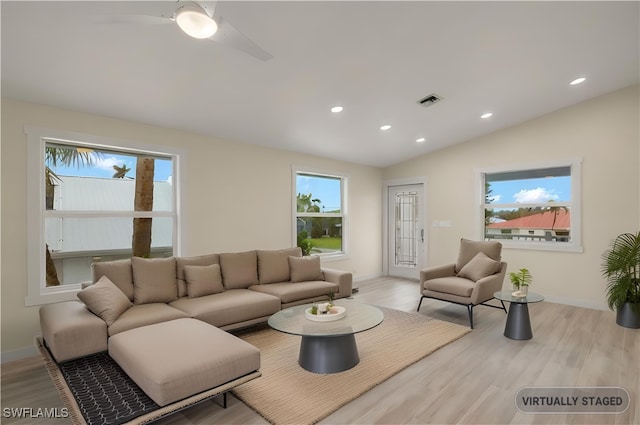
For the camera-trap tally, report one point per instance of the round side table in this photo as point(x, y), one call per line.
point(518, 323)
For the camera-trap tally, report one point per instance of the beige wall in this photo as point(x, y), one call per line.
point(603, 132)
point(238, 197)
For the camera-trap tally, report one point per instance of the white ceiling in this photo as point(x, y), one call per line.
point(377, 59)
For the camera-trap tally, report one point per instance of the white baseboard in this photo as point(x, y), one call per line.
point(19, 354)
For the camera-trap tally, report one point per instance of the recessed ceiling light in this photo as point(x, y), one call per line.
point(578, 81)
point(337, 109)
point(487, 115)
point(385, 127)
point(421, 140)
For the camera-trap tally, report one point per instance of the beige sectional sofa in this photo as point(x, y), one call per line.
point(228, 291)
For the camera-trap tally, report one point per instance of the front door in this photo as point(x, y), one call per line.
point(405, 230)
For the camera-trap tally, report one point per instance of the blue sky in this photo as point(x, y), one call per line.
point(103, 167)
point(325, 189)
point(542, 190)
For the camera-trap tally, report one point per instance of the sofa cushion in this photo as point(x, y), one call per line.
point(229, 307)
point(289, 292)
point(118, 271)
point(203, 280)
point(480, 266)
point(105, 299)
point(143, 315)
point(174, 360)
point(239, 270)
point(154, 280)
point(273, 266)
point(305, 268)
point(469, 249)
point(451, 285)
point(201, 260)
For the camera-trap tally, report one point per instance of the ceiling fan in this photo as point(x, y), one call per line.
point(198, 20)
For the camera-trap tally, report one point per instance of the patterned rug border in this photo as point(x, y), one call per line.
point(238, 392)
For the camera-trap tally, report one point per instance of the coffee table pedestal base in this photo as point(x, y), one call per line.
point(328, 354)
point(518, 324)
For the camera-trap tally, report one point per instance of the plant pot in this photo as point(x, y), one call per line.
point(524, 289)
point(628, 316)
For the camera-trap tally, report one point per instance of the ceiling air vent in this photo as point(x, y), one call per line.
point(429, 100)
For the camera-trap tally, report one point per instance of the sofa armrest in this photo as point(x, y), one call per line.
point(70, 330)
point(343, 279)
point(435, 272)
point(487, 286)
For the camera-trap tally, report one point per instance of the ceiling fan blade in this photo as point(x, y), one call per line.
point(230, 36)
point(131, 19)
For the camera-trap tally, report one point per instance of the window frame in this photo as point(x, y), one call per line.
point(295, 171)
point(37, 291)
point(575, 244)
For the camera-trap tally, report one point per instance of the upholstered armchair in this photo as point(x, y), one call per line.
point(471, 280)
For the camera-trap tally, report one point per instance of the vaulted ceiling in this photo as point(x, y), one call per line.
point(375, 59)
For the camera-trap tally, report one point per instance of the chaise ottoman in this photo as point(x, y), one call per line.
point(174, 360)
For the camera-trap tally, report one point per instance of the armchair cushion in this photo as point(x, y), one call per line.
point(451, 285)
point(480, 266)
point(469, 249)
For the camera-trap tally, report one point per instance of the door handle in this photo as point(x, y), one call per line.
point(422, 235)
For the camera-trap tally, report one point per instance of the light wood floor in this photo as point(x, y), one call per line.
point(471, 381)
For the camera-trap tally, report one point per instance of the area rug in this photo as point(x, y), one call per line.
point(287, 394)
point(96, 391)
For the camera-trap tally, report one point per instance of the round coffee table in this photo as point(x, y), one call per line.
point(518, 323)
point(328, 347)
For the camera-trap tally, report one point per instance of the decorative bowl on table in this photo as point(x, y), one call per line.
point(333, 313)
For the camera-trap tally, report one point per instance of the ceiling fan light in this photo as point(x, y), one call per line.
point(195, 22)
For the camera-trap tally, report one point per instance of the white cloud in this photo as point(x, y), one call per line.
point(537, 195)
point(107, 163)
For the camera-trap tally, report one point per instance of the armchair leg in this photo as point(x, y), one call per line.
point(503, 307)
point(470, 309)
point(420, 303)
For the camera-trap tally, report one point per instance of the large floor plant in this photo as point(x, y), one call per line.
point(621, 268)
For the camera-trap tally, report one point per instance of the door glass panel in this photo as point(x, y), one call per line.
point(406, 206)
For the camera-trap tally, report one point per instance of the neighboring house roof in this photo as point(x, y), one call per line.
point(542, 220)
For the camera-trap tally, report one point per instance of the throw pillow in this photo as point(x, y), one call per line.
point(105, 300)
point(201, 260)
point(305, 268)
point(469, 249)
point(480, 266)
point(154, 280)
point(203, 280)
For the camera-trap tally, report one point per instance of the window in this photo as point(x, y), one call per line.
point(92, 199)
point(536, 207)
point(320, 219)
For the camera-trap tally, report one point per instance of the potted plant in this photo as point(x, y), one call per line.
point(621, 268)
point(521, 281)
